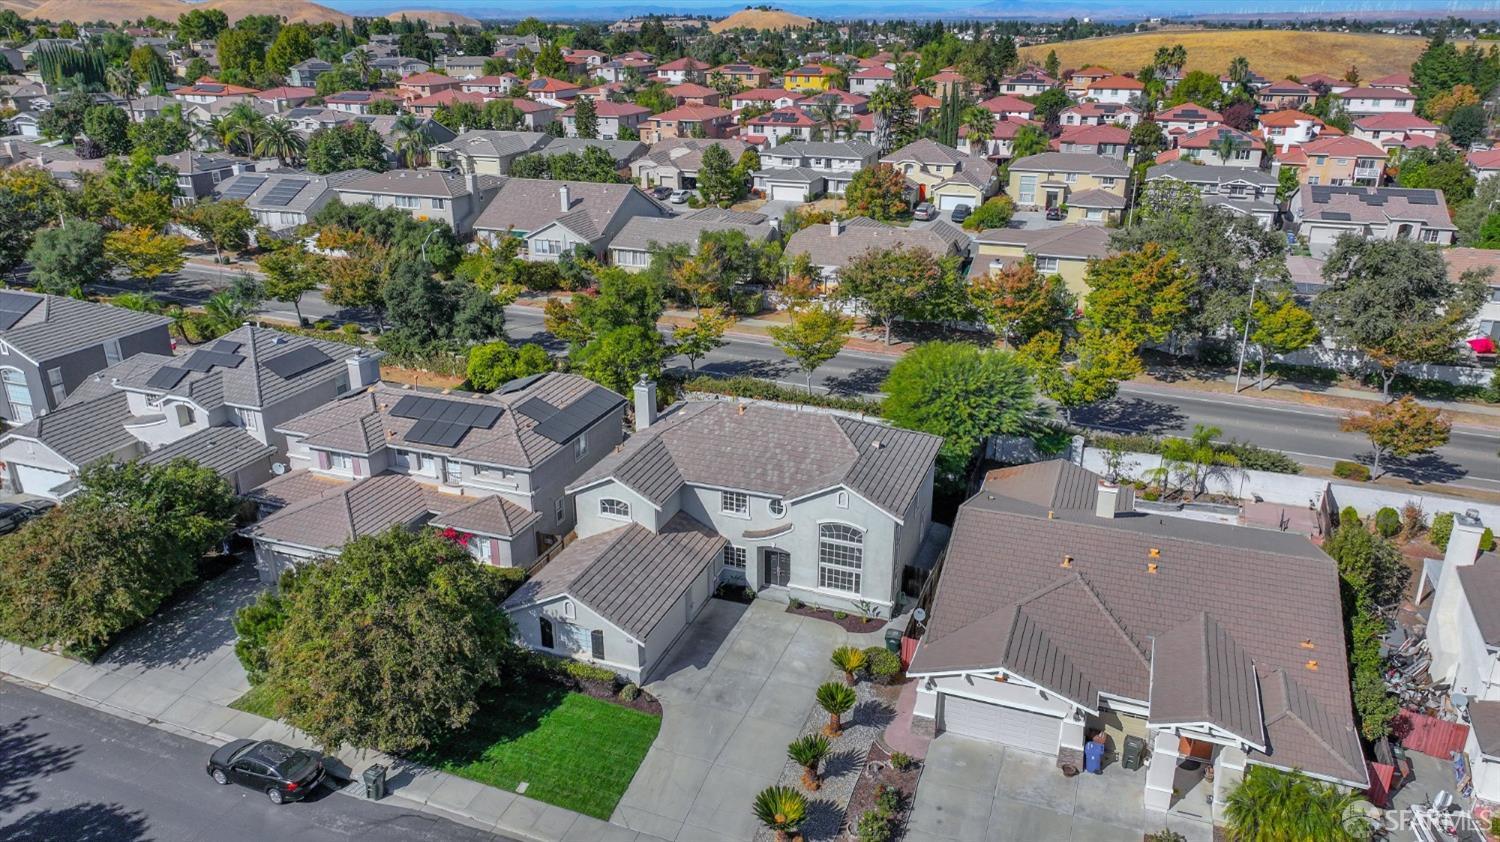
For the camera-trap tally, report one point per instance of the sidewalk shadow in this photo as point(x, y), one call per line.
point(1420, 470)
point(764, 369)
point(80, 823)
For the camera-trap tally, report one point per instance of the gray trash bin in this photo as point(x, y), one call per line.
point(1135, 750)
point(375, 782)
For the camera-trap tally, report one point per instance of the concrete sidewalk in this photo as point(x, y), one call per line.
point(142, 698)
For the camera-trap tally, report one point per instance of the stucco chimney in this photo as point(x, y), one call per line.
point(1113, 499)
point(835, 227)
point(1463, 542)
point(645, 403)
point(564, 198)
point(471, 181)
point(364, 370)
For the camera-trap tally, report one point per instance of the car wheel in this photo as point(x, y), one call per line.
point(275, 795)
point(219, 777)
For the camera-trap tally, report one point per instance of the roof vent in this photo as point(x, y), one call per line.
point(1066, 562)
point(1152, 567)
point(1311, 665)
point(877, 444)
point(1307, 644)
point(1155, 552)
point(742, 409)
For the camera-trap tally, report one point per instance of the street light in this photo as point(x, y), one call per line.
point(1245, 338)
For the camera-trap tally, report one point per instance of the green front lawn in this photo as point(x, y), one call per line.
point(259, 701)
point(572, 750)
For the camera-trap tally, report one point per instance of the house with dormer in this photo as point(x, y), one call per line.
point(1240, 190)
point(945, 176)
point(801, 171)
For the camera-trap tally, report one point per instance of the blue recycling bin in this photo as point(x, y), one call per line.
point(1093, 758)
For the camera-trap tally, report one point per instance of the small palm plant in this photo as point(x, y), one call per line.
point(781, 809)
point(836, 699)
point(850, 660)
point(808, 751)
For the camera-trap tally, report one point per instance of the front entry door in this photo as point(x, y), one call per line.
point(778, 572)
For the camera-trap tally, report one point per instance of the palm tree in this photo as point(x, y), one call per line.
point(1198, 456)
point(850, 661)
point(279, 139)
point(137, 301)
point(981, 125)
point(808, 751)
point(905, 74)
point(360, 61)
point(886, 103)
point(123, 81)
point(412, 141)
point(226, 311)
point(1224, 146)
point(217, 132)
point(1270, 805)
point(781, 809)
point(246, 125)
point(826, 111)
point(836, 699)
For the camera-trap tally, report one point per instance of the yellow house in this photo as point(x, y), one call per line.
point(1051, 179)
point(945, 176)
point(811, 77)
point(1064, 251)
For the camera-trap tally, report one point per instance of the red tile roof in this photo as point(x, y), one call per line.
point(693, 113)
point(1117, 83)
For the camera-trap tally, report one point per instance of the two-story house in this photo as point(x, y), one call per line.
point(692, 93)
point(426, 84)
point(1100, 114)
point(610, 119)
point(555, 92)
point(492, 468)
point(1339, 160)
point(865, 80)
point(783, 124)
point(1053, 179)
point(831, 247)
point(357, 102)
point(802, 171)
point(1325, 213)
point(282, 201)
point(686, 69)
point(553, 218)
point(1064, 250)
point(1218, 145)
point(198, 173)
point(1238, 189)
point(1007, 105)
point(1029, 82)
point(1080, 80)
point(490, 86)
point(488, 152)
point(708, 121)
point(1289, 127)
point(1395, 131)
point(745, 74)
point(674, 163)
point(1110, 141)
point(207, 90)
point(998, 146)
point(765, 98)
point(430, 194)
point(818, 507)
point(809, 77)
point(1362, 102)
point(943, 175)
point(1285, 94)
point(1123, 90)
point(1187, 118)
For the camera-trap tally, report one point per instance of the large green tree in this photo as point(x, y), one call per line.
point(1018, 302)
point(224, 224)
point(1142, 295)
point(495, 363)
point(65, 258)
point(894, 283)
point(30, 198)
point(345, 147)
point(814, 336)
point(878, 192)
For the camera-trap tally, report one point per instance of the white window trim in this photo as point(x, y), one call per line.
point(604, 511)
point(741, 511)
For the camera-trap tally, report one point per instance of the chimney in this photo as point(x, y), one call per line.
point(364, 370)
point(1463, 542)
point(471, 181)
point(1112, 500)
point(564, 198)
point(835, 227)
point(645, 402)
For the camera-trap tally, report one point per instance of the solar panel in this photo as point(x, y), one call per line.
point(226, 346)
point(516, 385)
point(440, 433)
point(284, 192)
point(244, 186)
point(205, 359)
point(296, 361)
point(443, 422)
point(575, 418)
point(166, 377)
point(537, 409)
point(1422, 199)
point(1337, 216)
point(14, 307)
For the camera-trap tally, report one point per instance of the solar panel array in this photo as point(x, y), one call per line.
point(296, 361)
point(14, 307)
point(284, 192)
point(1422, 198)
point(560, 425)
point(780, 117)
point(443, 422)
point(206, 359)
point(519, 383)
point(244, 186)
point(166, 377)
point(1336, 216)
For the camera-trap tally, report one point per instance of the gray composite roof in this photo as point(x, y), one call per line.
point(1373, 205)
point(686, 153)
point(434, 183)
point(56, 325)
point(1066, 241)
point(861, 234)
point(528, 204)
point(620, 150)
point(1481, 581)
point(1094, 608)
point(1484, 718)
point(313, 187)
point(640, 232)
point(362, 423)
point(1209, 174)
point(226, 450)
point(824, 149)
point(929, 151)
point(1083, 162)
point(771, 450)
point(485, 143)
point(630, 576)
point(1097, 199)
point(83, 432)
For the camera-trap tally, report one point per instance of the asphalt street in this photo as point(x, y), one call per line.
point(73, 773)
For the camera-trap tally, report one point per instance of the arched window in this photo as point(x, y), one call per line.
point(610, 507)
point(841, 557)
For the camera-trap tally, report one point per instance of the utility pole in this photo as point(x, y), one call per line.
point(1245, 338)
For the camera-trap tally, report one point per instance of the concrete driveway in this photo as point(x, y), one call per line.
point(978, 792)
point(735, 690)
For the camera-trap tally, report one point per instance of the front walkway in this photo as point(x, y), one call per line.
point(975, 791)
point(735, 689)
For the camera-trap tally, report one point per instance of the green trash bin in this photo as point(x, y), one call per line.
point(893, 640)
point(374, 778)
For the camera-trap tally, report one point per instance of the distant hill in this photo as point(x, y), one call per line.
point(760, 19)
point(435, 17)
point(1273, 53)
point(117, 11)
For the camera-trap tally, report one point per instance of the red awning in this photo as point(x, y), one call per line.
point(1482, 345)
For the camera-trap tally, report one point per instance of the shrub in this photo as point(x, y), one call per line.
point(1165, 836)
point(323, 324)
point(882, 664)
point(1348, 516)
point(765, 390)
point(1251, 457)
point(630, 692)
point(1442, 527)
point(1344, 469)
point(995, 213)
point(255, 625)
point(585, 671)
point(902, 761)
point(351, 329)
point(840, 615)
point(888, 800)
point(1487, 540)
point(1413, 519)
point(1388, 522)
point(874, 827)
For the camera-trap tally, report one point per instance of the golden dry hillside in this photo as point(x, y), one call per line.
point(128, 10)
point(760, 19)
point(1272, 53)
point(434, 17)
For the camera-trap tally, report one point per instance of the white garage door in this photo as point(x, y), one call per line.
point(788, 193)
point(1000, 724)
point(38, 480)
point(948, 203)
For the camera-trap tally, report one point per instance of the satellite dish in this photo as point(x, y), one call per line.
point(920, 615)
point(278, 468)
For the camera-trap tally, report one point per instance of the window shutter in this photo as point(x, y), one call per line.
point(359, 467)
point(323, 459)
point(494, 551)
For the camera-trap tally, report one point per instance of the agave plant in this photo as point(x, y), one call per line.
point(850, 660)
point(808, 751)
point(836, 699)
point(781, 809)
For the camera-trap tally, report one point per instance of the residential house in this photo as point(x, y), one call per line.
point(462, 67)
point(428, 106)
point(490, 87)
point(1007, 105)
point(1064, 250)
point(1285, 94)
point(554, 92)
point(847, 104)
point(830, 247)
point(1240, 190)
point(1461, 259)
point(865, 80)
point(1324, 213)
point(782, 124)
point(425, 194)
point(624, 152)
point(801, 171)
point(381, 458)
point(611, 118)
point(1099, 114)
point(488, 152)
point(283, 201)
point(944, 175)
point(765, 98)
point(399, 67)
point(1252, 82)
point(1111, 141)
point(1339, 160)
point(692, 93)
point(1061, 613)
point(286, 97)
point(425, 84)
point(198, 172)
point(1121, 90)
point(207, 90)
point(391, 128)
point(1079, 81)
point(809, 77)
point(687, 121)
point(1188, 118)
point(1027, 83)
point(1394, 81)
point(674, 163)
point(1322, 81)
point(631, 247)
point(1396, 131)
point(747, 75)
point(949, 81)
point(620, 69)
point(1362, 102)
point(1051, 179)
point(357, 102)
point(686, 69)
point(1289, 127)
point(219, 404)
point(1484, 164)
point(822, 508)
point(304, 74)
point(1205, 146)
point(999, 144)
point(553, 218)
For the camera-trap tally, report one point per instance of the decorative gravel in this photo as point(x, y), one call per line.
point(826, 819)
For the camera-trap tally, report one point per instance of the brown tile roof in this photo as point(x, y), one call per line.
point(492, 516)
point(1200, 674)
point(1484, 718)
point(1481, 581)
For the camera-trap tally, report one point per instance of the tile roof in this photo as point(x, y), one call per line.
point(861, 234)
point(343, 513)
point(770, 450)
point(1007, 104)
point(692, 113)
point(1363, 205)
point(640, 232)
point(929, 151)
point(1083, 586)
point(1205, 138)
point(85, 431)
point(485, 143)
point(1484, 718)
point(294, 487)
point(1188, 112)
point(1208, 677)
point(1071, 162)
point(686, 153)
point(530, 204)
point(226, 450)
point(1343, 146)
point(417, 183)
point(1096, 198)
point(57, 325)
point(1374, 93)
point(1116, 83)
point(630, 576)
point(492, 516)
point(1481, 581)
point(1210, 174)
point(1394, 120)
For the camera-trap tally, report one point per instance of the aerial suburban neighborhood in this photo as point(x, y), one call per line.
point(750, 424)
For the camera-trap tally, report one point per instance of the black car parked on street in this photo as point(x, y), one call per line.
point(283, 773)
